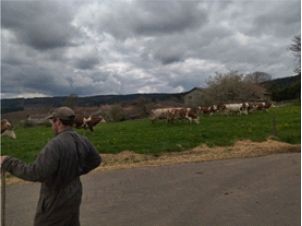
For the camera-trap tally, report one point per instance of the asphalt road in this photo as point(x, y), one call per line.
point(256, 191)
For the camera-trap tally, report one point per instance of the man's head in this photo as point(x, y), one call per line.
point(61, 118)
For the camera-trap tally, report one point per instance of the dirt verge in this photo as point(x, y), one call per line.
point(241, 149)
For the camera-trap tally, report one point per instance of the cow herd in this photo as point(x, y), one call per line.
point(169, 114)
point(193, 114)
point(243, 108)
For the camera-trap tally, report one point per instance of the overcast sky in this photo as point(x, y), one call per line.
point(96, 47)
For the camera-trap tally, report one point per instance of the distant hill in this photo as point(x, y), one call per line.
point(19, 104)
point(281, 89)
point(287, 88)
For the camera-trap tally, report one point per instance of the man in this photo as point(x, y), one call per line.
point(58, 167)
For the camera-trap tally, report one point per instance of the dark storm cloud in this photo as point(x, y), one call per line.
point(167, 17)
point(40, 24)
point(86, 63)
point(168, 55)
point(277, 21)
point(33, 80)
point(150, 18)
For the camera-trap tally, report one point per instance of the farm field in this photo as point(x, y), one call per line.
point(143, 137)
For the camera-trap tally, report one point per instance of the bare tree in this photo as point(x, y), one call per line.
point(117, 113)
point(296, 49)
point(232, 87)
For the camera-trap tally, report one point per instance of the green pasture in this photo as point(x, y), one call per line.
point(141, 136)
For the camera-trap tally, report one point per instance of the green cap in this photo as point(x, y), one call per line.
point(64, 113)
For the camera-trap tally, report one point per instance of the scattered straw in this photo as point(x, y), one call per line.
point(241, 149)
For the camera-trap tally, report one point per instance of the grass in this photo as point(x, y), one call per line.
point(142, 136)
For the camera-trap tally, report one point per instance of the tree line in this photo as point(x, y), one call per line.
point(236, 87)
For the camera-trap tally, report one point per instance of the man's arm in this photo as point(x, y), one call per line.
point(90, 159)
point(43, 167)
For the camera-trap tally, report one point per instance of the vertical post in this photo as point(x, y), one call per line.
point(274, 125)
point(2, 197)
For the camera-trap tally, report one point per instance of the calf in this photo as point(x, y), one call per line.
point(7, 129)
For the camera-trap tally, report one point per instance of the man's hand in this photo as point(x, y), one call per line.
point(2, 158)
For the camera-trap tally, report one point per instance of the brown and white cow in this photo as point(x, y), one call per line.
point(162, 113)
point(262, 106)
point(7, 129)
point(208, 110)
point(78, 121)
point(172, 114)
point(88, 122)
point(190, 114)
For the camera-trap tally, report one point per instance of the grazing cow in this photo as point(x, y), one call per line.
point(208, 110)
point(88, 122)
point(247, 107)
point(171, 114)
point(234, 108)
point(78, 121)
point(221, 107)
point(161, 113)
point(263, 106)
point(189, 114)
point(7, 129)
